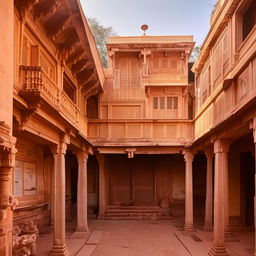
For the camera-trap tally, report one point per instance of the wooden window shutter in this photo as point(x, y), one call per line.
point(134, 73)
point(155, 103)
point(162, 102)
point(173, 66)
point(34, 55)
point(124, 73)
point(25, 53)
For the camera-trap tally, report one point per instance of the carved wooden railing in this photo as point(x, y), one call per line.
point(37, 83)
point(144, 131)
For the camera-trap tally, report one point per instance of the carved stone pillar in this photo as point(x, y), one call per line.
point(82, 225)
point(102, 181)
point(188, 157)
point(59, 245)
point(209, 189)
point(225, 150)
point(7, 162)
point(219, 200)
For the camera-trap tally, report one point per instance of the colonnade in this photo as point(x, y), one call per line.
point(216, 204)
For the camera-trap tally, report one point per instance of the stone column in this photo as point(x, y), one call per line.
point(7, 202)
point(209, 189)
point(225, 150)
point(188, 156)
point(59, 247)
point(102, 181)
point(254, 138)
point(82, 225)
point(52, 195)
point(219, 200)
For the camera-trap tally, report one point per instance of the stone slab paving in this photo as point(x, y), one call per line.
point(138, 238)
point(144, 238)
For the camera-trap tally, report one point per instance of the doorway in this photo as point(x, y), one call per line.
point(132, 180)
point(247, 167)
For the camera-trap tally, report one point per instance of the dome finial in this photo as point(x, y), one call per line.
point(144, 27)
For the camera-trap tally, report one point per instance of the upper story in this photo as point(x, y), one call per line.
point(148, 93)
point(225, 70)
point(56, 63)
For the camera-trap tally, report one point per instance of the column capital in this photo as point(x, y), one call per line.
point(209, 152)
point(99, 157)
point(82, 155)
point(58, 148)
point(221, 145)
point(188, 155)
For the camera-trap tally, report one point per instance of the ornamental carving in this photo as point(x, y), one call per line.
point(8, 200)
point(24, 239)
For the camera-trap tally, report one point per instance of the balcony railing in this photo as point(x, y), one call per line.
point(36, 84)
point(141, 132)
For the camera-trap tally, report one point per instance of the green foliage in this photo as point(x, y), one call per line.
point(214, 8)
point(195, 53)
point(101, 35)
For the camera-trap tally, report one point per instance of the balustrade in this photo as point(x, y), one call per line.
point(146, 131)
point(36, 83)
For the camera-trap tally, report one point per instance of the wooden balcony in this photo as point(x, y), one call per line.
point(143, 132)
point(39, 88)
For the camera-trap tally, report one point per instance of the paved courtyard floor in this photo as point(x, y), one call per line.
point(144, 238)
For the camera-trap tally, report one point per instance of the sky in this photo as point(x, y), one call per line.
point(164, 17)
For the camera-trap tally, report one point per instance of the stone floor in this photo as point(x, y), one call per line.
point(144, 238)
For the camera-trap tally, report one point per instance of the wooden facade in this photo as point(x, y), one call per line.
point(141, 133)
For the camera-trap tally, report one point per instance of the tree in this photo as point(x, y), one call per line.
point(195, 53)
point(101, 35)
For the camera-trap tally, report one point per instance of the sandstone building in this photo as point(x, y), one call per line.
point(140, 139)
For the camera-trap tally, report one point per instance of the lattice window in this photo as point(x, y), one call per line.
point(172, 102)
point(217, 61)
point(155, 103)
point(162, 102)
point(69, 88)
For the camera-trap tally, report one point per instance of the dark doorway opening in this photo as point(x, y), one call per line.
point(247, 168)
point(199, 187)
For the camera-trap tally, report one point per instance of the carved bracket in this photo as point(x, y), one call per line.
point(130, 152)
point(27, 115)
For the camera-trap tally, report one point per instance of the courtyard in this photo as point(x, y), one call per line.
point(144, 238)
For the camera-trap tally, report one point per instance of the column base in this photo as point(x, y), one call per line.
point(82, 230)
point(59, 250)
point(218, 251)
point(101, 217)
point(80, 234)
point(207, 226)
point(189, 228)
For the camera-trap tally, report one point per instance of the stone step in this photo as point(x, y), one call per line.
point(131, 211)
point(124, 218)
point(129, 214)
point(133, 207)
point(118, 212)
